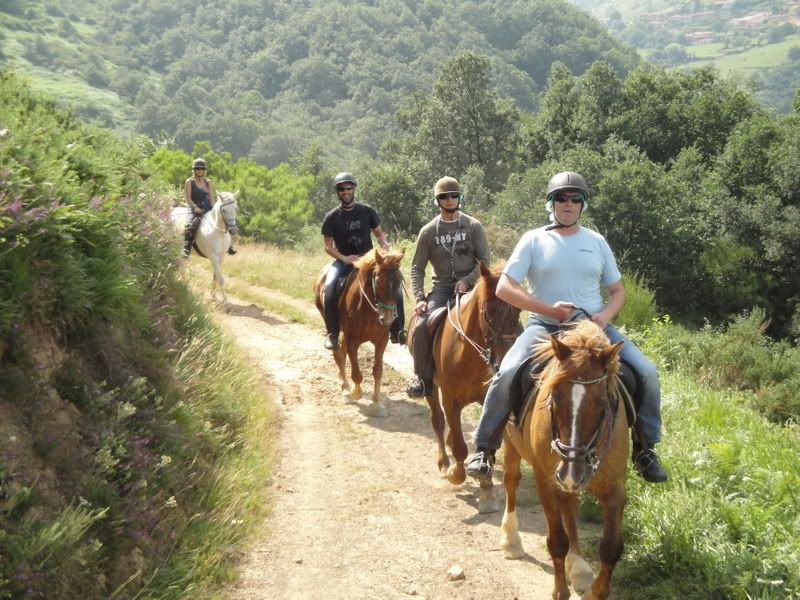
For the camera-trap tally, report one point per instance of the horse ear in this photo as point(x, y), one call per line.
point(235, 194)
point(608, 353)
point(485, 271)
point(378, 257)
point(560, 349)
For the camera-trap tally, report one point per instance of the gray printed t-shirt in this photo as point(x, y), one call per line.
point(464, 240)
point(569, 268)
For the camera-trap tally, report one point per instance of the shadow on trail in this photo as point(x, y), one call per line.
point(253, 311)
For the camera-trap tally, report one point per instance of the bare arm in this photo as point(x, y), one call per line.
point(616, 300)
point(511, 291)
point(381, 237)
point(187, 196)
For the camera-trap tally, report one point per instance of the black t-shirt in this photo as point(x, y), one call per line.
point(350, 229)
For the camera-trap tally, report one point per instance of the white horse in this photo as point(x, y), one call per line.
point(213, 237)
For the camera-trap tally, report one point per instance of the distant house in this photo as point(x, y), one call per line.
point(758, 18)
point(699, 37)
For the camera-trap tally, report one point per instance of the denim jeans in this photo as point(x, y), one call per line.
point(497, 405)
point(422, 353)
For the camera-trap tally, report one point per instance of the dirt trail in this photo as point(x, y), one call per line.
point(359, 509)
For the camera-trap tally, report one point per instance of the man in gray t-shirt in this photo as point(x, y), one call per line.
point(566, 266)
point(453, 243)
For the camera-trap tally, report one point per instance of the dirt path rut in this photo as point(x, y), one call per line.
point(358, 507)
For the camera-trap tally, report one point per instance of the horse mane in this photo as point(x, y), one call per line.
point(367, 263)
point(584, 338)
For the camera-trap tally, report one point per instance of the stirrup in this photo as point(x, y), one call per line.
point(481, 467)
point(649, 467)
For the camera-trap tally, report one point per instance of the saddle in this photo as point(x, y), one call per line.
point(525, 384)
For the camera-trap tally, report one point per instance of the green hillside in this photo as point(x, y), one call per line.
point(747, 39)
point(264, 79)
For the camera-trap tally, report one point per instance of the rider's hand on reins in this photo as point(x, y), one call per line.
point(563, 310)
point(421, 307)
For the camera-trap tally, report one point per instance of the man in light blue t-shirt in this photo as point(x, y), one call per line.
point(566, 266)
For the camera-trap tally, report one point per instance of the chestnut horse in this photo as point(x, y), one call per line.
point(367, 308)
point(473, 340)
point(575, 438)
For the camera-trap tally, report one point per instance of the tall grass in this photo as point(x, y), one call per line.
point(725, 526)
point(133, 443)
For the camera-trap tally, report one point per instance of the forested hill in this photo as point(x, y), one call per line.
point(265, 77)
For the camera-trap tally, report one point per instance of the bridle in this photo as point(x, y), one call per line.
point(381, 305)
point(588, 452)
point(228, 226)
point(490, 334)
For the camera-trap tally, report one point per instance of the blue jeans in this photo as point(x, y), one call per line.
point(497, 405)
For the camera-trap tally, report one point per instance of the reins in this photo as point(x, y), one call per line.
point(380, 303)
point(217, 227)
point(491, 336)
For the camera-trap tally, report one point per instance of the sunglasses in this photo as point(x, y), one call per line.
point(199, 168)
point(345, 188)
point(577, 198)
point(453, 195)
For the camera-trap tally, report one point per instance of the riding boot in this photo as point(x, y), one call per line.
point(419, 387)
point(232, 250)
point(481, 466)
point(645, 460)
point(188, 241)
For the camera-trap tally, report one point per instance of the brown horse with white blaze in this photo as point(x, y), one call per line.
point(474, 338)
point(367, 308)
point(576, 439)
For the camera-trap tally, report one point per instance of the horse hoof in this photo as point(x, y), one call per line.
point(487, 507)
point(377, 410)
point(514, 551)
point(456, 475)
point(579, 573)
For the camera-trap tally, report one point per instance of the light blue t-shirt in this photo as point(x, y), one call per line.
point(567, 268)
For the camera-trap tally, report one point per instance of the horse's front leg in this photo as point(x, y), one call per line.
point(340, 356)
point(378, 408)
point(437, 424)
point(611, 545)
point(511, 542)
point(557, 540)
point(579, 573)
point(217, 279)
point(355, 370)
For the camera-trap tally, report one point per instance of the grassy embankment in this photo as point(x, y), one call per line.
point(724, 526)
point(134, 442)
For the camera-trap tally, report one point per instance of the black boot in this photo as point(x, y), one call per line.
point(187, 247)
point(398, 337)
point(419, 388)
point(481, 467)
point(332, 341)
point(232, 250)
point(647, 464)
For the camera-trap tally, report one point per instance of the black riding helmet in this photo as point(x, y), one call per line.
point(344, 177)
point(198, 163)
point(567, 180)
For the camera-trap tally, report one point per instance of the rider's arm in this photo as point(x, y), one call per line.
point(511, 291)
point(330, 249)
point(187, 195)
point(616, 300)
point(480, 246)
point(418, 265)
point(381, 237)
point(212, 193)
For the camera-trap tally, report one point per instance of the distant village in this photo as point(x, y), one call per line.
point(754, 21)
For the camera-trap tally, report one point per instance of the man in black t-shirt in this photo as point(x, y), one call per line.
point(347, 229)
